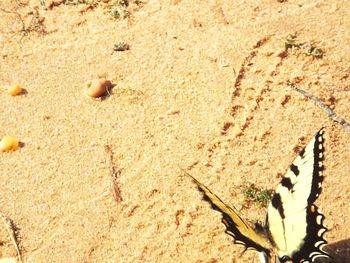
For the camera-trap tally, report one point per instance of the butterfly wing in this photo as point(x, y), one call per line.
point(242, 233)
point(294, 222)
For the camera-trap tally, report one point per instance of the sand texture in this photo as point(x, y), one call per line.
point(198, 85)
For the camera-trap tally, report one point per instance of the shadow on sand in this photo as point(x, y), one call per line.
point(340, 251)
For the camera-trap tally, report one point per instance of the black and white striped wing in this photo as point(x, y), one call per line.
point(294, 222)
point(236, 227)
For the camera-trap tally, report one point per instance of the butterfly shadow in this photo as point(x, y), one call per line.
point(340, 251)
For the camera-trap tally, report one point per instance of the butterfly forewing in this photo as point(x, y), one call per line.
point(290, 219)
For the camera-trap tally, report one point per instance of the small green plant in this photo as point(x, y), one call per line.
point(120, 12)
point(78, 2)
point(124, 3)
point(307, 48)
point(290, 42)
point(256, 195)
point(119, 9)
point(121, 46)
point(310, 50)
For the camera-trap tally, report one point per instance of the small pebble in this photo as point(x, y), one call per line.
point(15, 90)
point(98, 87)
point(9, 143)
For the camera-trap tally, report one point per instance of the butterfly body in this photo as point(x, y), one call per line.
point(293, 231)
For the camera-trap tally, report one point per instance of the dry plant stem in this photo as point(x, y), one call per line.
point(18, 15)
point(10, 229)
point(330, 113)
point(114, 172)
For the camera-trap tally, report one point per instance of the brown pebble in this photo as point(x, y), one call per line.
point(98, 87)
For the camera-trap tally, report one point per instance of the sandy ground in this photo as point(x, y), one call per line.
point(203, 88)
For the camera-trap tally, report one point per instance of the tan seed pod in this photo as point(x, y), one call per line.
point(9, 143)
point(15, 90)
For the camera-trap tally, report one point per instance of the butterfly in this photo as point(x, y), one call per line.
point(293, 230)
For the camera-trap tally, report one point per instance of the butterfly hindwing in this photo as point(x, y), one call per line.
point(314, 241)
point(293, 220)
point(235, 226)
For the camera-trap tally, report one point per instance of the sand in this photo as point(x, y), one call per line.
point(203, 87)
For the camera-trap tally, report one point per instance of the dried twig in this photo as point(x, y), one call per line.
point(114, 173)
point(36, 23)
point(11, 230)
point(330, 113)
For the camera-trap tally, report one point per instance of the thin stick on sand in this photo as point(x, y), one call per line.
point(113, 172)
point(330, 113)
point(12, 233)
